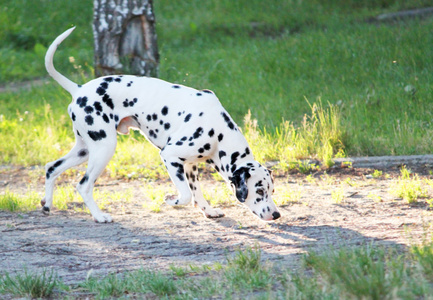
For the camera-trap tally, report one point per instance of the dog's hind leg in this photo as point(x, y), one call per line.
point(100, 153)
point(78, 155)
point(191, 172)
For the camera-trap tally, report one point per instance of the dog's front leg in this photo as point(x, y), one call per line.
point(175, 168)
point(191, 172)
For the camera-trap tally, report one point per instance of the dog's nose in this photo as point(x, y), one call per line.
point(276, 215)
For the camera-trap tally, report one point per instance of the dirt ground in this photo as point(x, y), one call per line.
point(74, 245)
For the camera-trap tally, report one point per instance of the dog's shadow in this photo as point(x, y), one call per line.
point(290, 239)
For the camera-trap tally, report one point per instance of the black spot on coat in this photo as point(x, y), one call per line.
point(97, 135)
point(53, 167)
point(164, 110)
point(105, 118)
point(100, 91)
point(234, 157)
point(82, 153)
point(97, 106)
point(89, 120)
point(88, 109)
point(180, 170)
point(187, 118)
point(107, 100)
point(197, 133)
point(84, 179)
point(229, 122)
point(82, 101)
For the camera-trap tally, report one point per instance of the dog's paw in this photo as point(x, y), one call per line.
point(45, 210)
point(103, 218)
point(174, 200)
point(213, 213)
point(171, 200)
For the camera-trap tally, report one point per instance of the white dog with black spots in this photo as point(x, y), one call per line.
point(187, 125)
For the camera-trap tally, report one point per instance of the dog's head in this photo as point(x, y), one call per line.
point(253, 186)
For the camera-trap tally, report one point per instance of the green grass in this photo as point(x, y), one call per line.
point(359, 272)
point(14, 202)
point(409, 186)
point(280, 59)
point(30, 284)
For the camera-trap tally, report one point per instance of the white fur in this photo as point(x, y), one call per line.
point(187, 125)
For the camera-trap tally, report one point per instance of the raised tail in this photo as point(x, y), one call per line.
point(67, 84)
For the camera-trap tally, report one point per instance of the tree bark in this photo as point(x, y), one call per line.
point(125, 38)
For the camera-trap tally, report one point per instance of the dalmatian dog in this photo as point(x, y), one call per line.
point(187, 125)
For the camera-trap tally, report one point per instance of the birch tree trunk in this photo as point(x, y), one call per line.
point(125, 37)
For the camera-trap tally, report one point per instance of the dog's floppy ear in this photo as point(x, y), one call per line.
point(239, 181)
point(270, 174)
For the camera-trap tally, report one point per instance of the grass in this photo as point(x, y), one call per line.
point(156, 196)
point(14, 202)
point(409, 187)
point(304, 79)
point(358, 272)
point(285, 195)
point(269, 60)
point(29, 284)
point(64, 197)
point(368, 272)
point(337, 195)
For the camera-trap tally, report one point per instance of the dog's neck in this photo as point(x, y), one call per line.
point(226, 164)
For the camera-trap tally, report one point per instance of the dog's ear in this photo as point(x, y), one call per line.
point(272, 175)
point(239, 182)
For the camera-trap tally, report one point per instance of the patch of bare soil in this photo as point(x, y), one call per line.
point(73, 244)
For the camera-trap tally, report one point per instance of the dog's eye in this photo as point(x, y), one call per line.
point(260, 192)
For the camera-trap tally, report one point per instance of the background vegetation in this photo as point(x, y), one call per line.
point(276, 58)
point(320, 80)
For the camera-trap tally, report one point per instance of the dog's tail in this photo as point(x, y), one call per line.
point(67, 84)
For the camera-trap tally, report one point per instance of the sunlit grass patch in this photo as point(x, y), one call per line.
point(319, 136)
point(337, 195)
point(219, 194)
point(136, 158)
point(67, 197)
point(409, 186)
point(377, 173)
point(155, 195)
point(285, 195)
point(15, 202)
point(34, 137)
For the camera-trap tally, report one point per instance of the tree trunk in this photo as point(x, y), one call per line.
point(125, 38)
